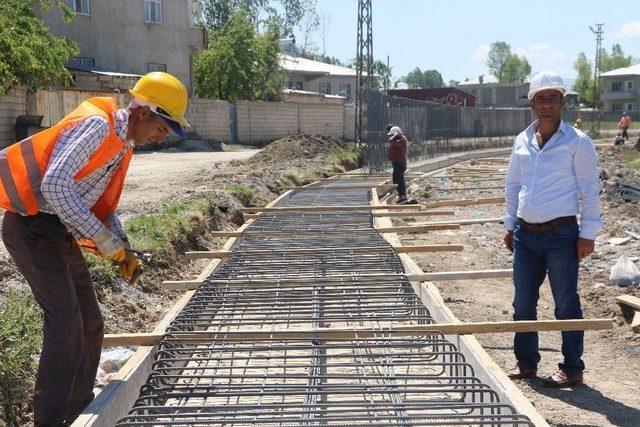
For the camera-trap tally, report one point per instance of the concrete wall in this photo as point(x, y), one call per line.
point(209, 119)
point(12, 105)
point(94, 81)
point(116, 36)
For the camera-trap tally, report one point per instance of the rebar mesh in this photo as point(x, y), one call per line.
point(266, 285)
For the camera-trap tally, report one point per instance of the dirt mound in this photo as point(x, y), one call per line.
point(294, 147)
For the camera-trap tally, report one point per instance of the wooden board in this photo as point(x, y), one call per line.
point(464, 202)
point(465, 221)
point(463, 275)
point(364, 249)
point(412, 214)
point(112, 340)
point(349, 187)
point(329, 208)
point(629, 300)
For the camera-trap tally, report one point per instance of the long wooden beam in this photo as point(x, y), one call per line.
point(464, 202)
point(489, 187)
point(289, 251)
point(412, 214)
point(465, 221)
point(349, 187)
point(398, 229)
point(340, 279)
point(150, 339)
point(329, 208)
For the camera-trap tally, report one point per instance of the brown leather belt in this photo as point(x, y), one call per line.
point(546, 226)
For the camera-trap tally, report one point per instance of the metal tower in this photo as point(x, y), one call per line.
point(597, 84)
point(364, 66)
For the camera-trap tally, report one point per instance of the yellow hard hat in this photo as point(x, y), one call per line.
point(166, 93)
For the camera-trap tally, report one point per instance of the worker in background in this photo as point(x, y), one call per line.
point(578, 123)
point(397, 154)
point(60, 189)
point(552, 177)
point(623, 124)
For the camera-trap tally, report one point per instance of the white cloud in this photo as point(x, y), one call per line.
point(541, 52)
point(481, 52)
point(629, 30)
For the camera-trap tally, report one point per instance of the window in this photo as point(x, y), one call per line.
point(629, 107)
point(345, 90)
point(156, 67)
point(153, 11)
point(299, 86)
point(616, 107)
point(84, 62)
point(616, 86)
point(290, 84)
point(629, 85)
point(79, 6)
point(324, 88)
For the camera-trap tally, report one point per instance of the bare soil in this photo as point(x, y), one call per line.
point(610, 395)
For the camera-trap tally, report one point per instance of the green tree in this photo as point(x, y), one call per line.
point(423, 79)
point(218, 12)
point(239, 63)
point(381, 69)
point(499, 53)
point(29, 54)
point(453, 82)
point(516, 69)
point(616, 59)
point(584, 81)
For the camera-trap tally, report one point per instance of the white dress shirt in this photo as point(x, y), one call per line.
point(561, 179)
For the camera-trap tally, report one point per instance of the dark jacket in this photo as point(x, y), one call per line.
point(397, 149)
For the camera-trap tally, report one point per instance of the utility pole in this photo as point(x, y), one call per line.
point(597, 86)
point(364, 66)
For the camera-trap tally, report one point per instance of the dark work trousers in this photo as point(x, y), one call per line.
point(625, 135)
point(534, 256)
point(50, 259)
point(398, 177)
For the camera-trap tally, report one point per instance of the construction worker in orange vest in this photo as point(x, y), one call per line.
point(60, 189)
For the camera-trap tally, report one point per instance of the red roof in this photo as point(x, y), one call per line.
point(442, 95)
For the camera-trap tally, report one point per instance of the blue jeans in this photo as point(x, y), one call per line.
point(534, 256)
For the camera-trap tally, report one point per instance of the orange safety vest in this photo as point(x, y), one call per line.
point(22, 165)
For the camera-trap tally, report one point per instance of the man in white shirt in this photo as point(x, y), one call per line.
point(552, 178)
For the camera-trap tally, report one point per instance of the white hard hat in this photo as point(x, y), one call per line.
point(395, 130)
point(545, 80)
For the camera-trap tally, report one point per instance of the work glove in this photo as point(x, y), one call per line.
point(131, 267)
point(109, 245)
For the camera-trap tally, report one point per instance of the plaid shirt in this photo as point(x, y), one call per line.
point(70, 200)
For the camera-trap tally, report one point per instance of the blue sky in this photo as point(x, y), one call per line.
point(453, 36)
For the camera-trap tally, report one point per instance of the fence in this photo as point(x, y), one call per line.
point(436, 129)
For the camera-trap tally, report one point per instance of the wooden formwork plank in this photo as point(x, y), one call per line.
point(465, 221)
point(294, 251)
point(412, 214)
point(149, 339)
point(327, 208)
point(464, 202)
point(349, 187)
point(398, 229)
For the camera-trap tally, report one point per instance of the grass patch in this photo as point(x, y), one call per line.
point(20, 340)
point(293, 177)
point(347, 159)
point(310, 176)
point(172, 227)
point(243, 193)
point(103, 271)
point(634, 161)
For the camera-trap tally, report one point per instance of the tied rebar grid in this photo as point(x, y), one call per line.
point(262, 380)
